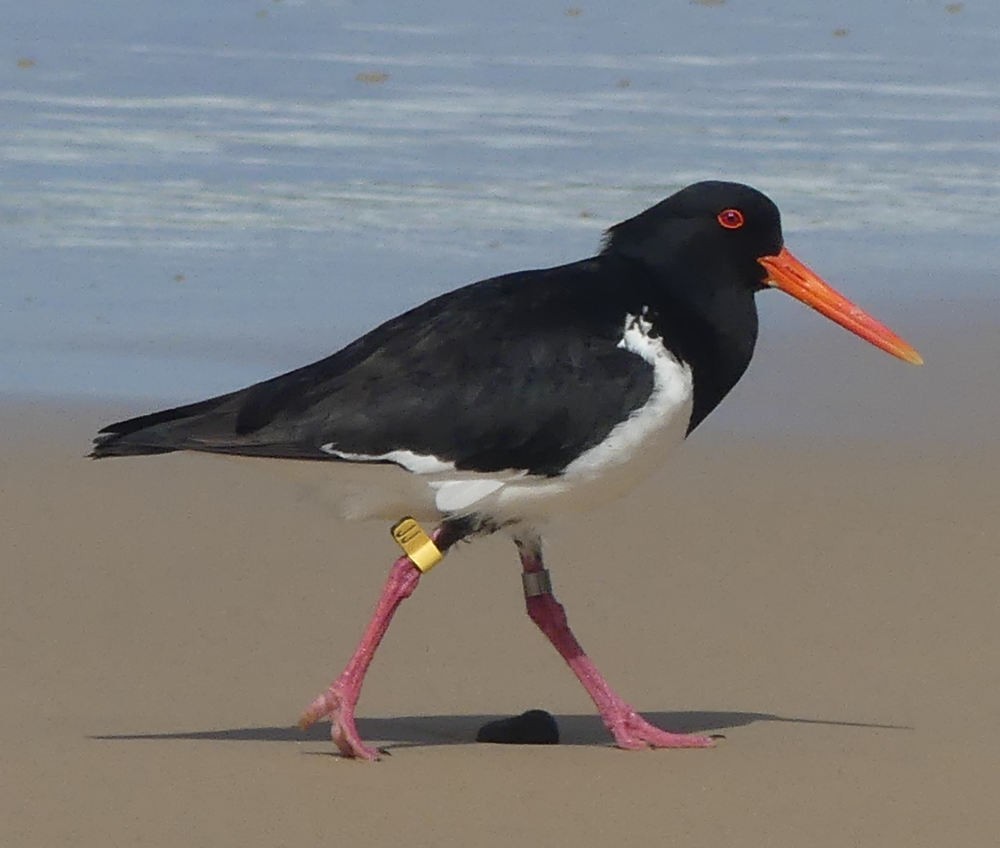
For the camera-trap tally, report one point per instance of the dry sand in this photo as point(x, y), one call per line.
point(830, 607)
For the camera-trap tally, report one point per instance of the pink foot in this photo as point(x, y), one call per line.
point(633, 732)
point(337, 703)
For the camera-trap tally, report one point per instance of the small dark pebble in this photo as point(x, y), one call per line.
point(535, 727)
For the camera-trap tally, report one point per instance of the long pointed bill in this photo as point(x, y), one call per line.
point(785, 272)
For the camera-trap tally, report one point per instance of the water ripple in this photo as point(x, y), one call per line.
point(338, 133)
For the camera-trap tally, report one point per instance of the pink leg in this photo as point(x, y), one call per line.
point(338, 702)
point(629, 729)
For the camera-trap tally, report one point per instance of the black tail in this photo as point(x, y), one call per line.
point(146, 434)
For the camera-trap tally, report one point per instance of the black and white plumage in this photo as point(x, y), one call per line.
point(512, 399)
point(520, 389)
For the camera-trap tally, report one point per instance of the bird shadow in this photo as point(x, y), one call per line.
point(438, 730)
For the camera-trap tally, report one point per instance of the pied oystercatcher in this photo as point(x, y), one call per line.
point(506, 401)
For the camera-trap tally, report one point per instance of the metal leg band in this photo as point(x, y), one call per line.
point(536, 583)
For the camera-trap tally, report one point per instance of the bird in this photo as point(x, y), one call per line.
point(502, 404)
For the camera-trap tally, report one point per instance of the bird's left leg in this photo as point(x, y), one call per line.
point(340, 699)
point(629, 729)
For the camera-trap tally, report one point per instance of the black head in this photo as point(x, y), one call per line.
point(713, 244)
point(712, 230)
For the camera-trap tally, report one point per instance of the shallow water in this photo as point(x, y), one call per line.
point(194, 197)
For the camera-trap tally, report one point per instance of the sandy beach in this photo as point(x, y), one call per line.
point(827, 603)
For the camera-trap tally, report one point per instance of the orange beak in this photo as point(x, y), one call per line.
point(785, 272)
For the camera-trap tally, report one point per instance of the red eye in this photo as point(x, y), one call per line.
point(731, 219)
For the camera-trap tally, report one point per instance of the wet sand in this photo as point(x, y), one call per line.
point(829, 604)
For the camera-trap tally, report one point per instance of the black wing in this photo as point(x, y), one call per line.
point(516, 372)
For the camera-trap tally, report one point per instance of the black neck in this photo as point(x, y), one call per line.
point(711, 327)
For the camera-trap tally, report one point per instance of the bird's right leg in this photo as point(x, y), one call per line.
point(340, 699)
point(630, 730)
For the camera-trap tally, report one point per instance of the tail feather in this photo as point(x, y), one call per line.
point(156, 432)
point(114, 445)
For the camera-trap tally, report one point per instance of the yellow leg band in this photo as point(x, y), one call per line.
point(416, 544)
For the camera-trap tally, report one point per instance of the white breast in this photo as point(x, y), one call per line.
point(659, 424)
point(632, 450)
